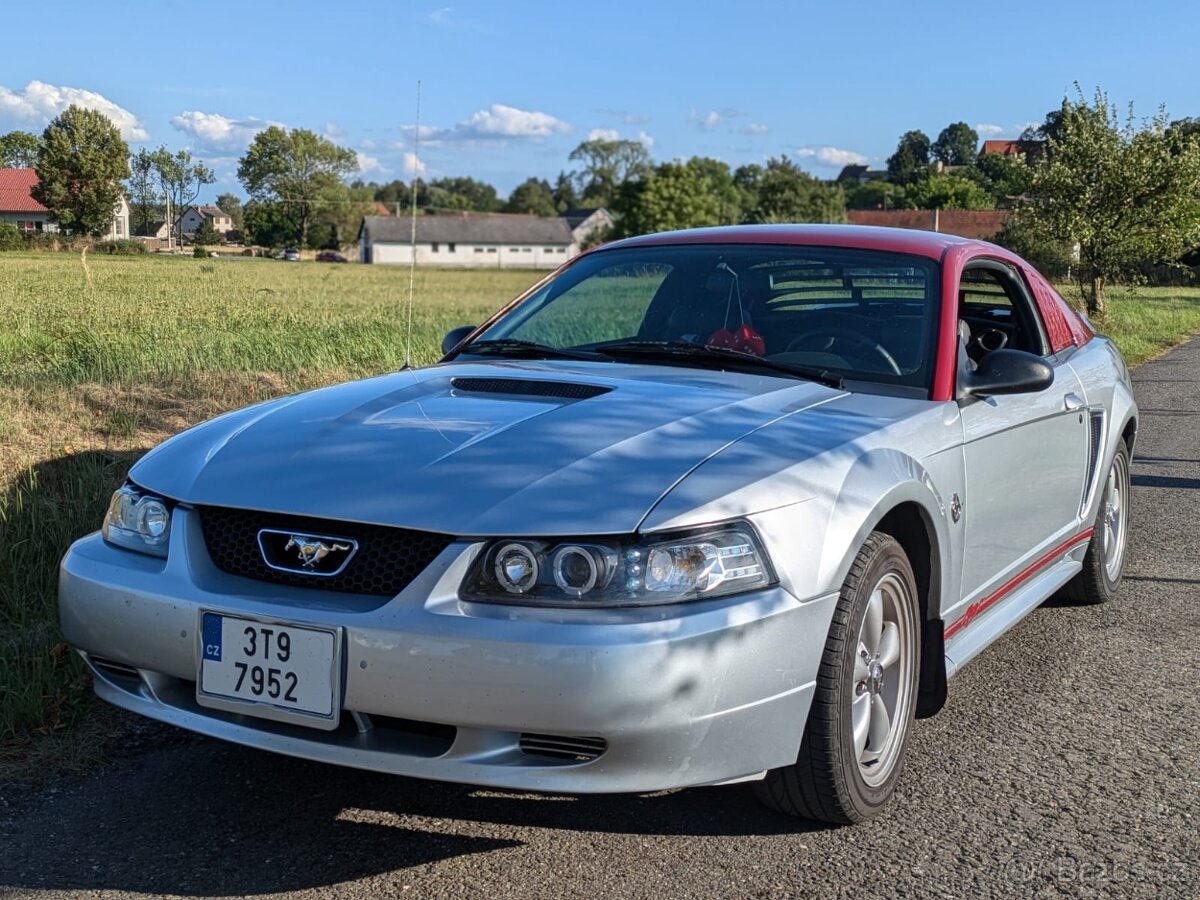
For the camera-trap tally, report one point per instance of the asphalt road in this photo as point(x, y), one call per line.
point(1067, 762)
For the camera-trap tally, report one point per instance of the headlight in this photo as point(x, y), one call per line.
point(138, 521)
point(632, 572)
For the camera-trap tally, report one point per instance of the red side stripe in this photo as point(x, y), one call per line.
point(980, 606)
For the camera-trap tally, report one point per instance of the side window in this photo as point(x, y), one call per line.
point(996, 311)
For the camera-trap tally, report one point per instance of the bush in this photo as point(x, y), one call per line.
point(10, 237)
point(120, 247)
point(200, 253)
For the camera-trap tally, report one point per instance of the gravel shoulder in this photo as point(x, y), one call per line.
point(1064, 763)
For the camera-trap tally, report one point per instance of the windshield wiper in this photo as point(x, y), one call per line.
point(528, 350)
point(682, 349)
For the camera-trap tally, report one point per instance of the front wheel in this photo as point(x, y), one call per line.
point(1104, 562)
point(862, 711)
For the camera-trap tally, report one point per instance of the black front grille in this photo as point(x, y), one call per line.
point(556, 746)
point(565, 390)
point(386, 561)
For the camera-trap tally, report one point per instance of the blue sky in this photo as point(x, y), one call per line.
point(510, 88)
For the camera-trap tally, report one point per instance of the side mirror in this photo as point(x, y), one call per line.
point(455, 336)
point(1006, 372)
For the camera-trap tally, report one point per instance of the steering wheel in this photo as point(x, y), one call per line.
point(824, 339)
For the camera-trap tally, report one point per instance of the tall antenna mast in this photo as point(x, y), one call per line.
point(412, 241)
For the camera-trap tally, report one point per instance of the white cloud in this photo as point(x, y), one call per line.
point(412, 165)
point(707, 121)
point(213, 131)
point(987, 130)
point(833, 157)
point(369, 164)
point(39, 102)
point(499, 123)
point(645, 140)
point(604, 134)
point(442, 16)
point(333, 130)
point(367, 144)
point(754, 128)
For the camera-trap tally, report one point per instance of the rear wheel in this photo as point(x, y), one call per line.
point(857, 732)
point(1104, 563)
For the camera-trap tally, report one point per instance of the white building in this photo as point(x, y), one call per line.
point(18, 207)
point(194, 216)
point(589, 225)
point(495, 240)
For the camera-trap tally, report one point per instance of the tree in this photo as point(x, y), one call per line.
point(206, 235)
point(462, 193)
point(786, 193)
point(876, 194)
point(268, 225)
point(18, 150)
point(606, 166)
point(1125, 194)
point(676, 195)
point(948, 191)
point(533, 196)
point(81, 164)
point(144, 194)
point(338, 215)
point(957, 145)
point(395, 194)
point(231, 205)
point(295, 168)
point(1002, 175)
point(565, 195)
point(181, 178)
point(910, 162)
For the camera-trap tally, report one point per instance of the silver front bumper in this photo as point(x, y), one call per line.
point(693, 694)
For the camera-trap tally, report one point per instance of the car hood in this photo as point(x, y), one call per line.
point(539, 448)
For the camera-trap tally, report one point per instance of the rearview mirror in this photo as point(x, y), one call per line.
point(1006, 372)
point(455, 336)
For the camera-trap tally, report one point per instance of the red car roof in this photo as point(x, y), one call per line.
point(861, 237)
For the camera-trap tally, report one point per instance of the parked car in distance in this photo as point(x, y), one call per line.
point(291, 254)
point(331, 256)
point(723, 505)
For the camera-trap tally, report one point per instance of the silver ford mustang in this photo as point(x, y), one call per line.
point(703, 507)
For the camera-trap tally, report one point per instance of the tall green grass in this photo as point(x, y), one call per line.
point(177, 328)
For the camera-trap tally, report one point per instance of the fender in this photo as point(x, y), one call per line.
point(879, 482)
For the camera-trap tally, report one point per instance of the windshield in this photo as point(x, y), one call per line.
point(861, 315)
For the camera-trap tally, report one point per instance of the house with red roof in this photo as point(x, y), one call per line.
point(17, 206)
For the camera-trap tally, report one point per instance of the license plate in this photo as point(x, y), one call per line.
point(273, 669)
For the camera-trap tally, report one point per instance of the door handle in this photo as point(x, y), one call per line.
point(1072, 402)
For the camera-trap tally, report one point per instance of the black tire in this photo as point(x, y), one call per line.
point(825, 783)
point(1094, 584)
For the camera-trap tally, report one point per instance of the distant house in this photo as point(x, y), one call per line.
point(18, 207)
point(194, 216)
point(1022, 149)
point(588, 223)
point(495, 240)
point(859, 174)
point(157, 229)
point(980, 224)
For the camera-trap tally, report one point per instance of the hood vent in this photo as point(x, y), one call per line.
point(528, 387)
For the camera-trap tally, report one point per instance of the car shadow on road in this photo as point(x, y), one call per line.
point(211, 818)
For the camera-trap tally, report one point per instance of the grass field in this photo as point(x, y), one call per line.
point(98, 365)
